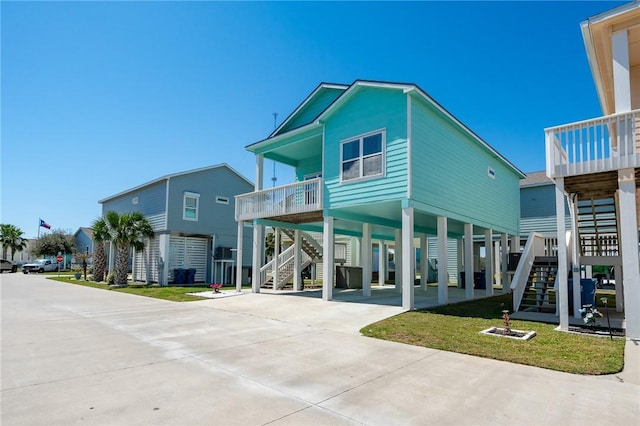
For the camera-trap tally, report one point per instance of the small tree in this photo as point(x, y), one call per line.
point(58, 241)
point(126, 230)
point(11, 238)
point(100, 236)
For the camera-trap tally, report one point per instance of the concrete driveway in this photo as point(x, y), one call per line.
point(72, 355)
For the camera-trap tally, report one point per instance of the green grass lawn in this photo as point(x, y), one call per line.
point(456, 328)
point(174, 294)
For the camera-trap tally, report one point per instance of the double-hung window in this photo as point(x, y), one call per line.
point(363, 156)
point(191, 202)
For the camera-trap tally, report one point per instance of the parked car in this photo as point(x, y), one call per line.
point(7, 265)
point(40, 265)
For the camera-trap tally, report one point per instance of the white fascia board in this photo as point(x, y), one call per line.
point(306, 101)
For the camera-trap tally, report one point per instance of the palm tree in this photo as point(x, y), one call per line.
point(126, 230)
point(100, 235)
point(12, 238)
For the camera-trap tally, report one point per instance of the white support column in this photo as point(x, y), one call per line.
point(259, 172)
point(397, 260)
point(328, 259)
point(163, 274)
point(468, 261)
point(424, 262)
point(275, 273)
point(515, 244)
point(459, 259)
point(258, 250)
point(497, 262)
point(562, 279)
point(621, 75)
point(258, 232)
point(112, 258)
point(629, 249)
point(506, 282)
point(365, 261)
point(134, 264)
point(443, 261)
point(575, 262)
point(382, 262)
point(488, 252)
point(297, 261)
point(408, 261)
point(239, 254)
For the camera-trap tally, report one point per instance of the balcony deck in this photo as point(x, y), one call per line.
point(604, 144)
point(299, 202)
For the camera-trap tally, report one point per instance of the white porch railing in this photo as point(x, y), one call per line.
point(295, 198)
point(593, 146)
point(537, 245)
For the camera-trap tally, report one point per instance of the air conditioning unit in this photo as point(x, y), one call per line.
point(222, 253)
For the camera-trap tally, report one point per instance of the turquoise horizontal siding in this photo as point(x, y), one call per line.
point(367, 110)
point(312, 109)
point(449, 172)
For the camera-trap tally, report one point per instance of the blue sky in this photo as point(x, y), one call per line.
point(100, 97)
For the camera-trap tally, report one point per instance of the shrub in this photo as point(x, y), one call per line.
point(111, 278)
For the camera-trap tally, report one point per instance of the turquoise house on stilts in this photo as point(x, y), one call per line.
point(386, 164)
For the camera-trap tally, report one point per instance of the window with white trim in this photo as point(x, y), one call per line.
point(362, 157)
point(191, 202)
point(222, 200)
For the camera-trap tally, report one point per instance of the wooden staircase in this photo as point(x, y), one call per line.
point(313, 254)
point(597, 226)
point(313, 250)
point(539, 294)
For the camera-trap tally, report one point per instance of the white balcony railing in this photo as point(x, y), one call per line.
point(593, 146)
point(295, 198)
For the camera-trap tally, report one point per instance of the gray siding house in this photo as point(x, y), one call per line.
point(538, 206)
point(192, 214)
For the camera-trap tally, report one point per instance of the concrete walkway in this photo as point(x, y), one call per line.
point(72, 354)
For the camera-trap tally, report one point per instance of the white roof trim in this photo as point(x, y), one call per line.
point(169, 176)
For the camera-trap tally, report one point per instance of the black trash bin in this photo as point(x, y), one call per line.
point(191, 276)
point(479, 280)
point(348, 277)
point(587, 292)
point(179, 275)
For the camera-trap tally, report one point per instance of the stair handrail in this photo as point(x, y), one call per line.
point(535, 246)
point(267, 269)
point(284, 278)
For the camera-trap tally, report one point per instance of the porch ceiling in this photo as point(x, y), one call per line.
point(596, 185)
point(293, 147)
